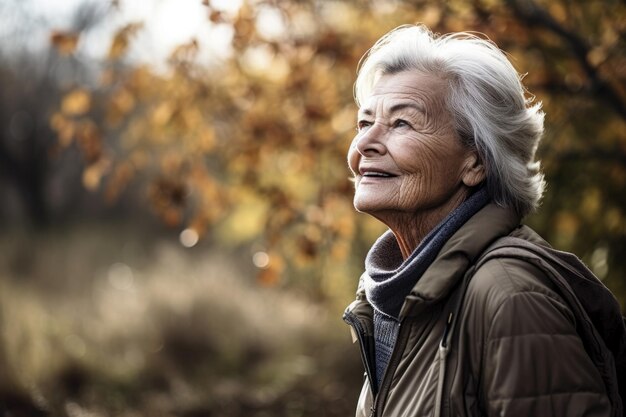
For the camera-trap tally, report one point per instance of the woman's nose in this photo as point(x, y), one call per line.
point(371, 141)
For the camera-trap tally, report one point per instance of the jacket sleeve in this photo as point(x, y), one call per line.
point(534, 363)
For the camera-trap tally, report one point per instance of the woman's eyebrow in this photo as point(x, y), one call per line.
point(395, 108)
point(404, 105)
point(365, 112)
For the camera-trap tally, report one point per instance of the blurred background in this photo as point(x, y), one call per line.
point(178, 237)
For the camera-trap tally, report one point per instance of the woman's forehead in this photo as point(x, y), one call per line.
point(405, 90)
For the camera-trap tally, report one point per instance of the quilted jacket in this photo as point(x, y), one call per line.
point(513, 351)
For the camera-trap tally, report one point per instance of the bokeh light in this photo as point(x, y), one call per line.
point(261, 259)
point(189, 238)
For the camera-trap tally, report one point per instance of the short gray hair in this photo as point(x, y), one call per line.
point(486, 99)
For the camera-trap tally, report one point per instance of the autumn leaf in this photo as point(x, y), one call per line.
point(217, 16)
point(65, 42)
point(121, 176)
point(64, 127)
point(184, 53)
point(269, 276)
point(120, 104)
point(162, 113)
point(121, 40)
point(92, 175)
point(89, 141)
point(76, 102)
point(171, 216)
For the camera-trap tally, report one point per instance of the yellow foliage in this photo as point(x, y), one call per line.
point(162, 114)
point(121, 40)
point(340, 251)
point(244, 27)
point(64, 127)
point(184, 53)
point(65, 42)
point(92, 175)
point(141, 82)
point(76, 102)
point(597, 56)
point(558, 11)
point(567, 225)
point(205, 141)
point(244, 222)
point(121, 176)
point(431, 15)
point(121, 103)
point(216, 16)
point(614, 220)
point(270, 275)
point(89, 141)
point(592, 203)
point(275, 118)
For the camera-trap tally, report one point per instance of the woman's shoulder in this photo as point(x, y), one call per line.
point(502, 278)
point(515, 285)
point(507, 275)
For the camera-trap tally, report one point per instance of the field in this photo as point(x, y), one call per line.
point(97, 321)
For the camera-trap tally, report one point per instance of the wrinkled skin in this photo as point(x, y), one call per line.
point(410, 167)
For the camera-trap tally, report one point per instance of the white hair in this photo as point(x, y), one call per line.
point(486, 100)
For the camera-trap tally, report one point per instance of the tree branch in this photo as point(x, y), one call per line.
point(534, 16)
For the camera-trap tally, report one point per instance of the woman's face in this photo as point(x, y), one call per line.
point(406, 156)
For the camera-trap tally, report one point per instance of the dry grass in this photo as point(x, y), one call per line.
point(99, 324)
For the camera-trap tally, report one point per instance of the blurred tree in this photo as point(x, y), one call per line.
point(25, 140)
point(254, 147)
point(30, 85)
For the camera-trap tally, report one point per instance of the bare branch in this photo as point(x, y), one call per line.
point(534, 16)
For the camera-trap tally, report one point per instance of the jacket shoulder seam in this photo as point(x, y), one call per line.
point(512, 296)
point(551, 394)
point(572, 334)
point(518, 290)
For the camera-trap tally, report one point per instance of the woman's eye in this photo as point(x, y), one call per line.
point(362, 124)
point(400, 123)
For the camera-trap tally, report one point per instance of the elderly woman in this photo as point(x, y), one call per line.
point(444, 156)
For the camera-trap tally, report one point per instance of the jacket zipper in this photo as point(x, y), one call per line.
point(353, 321)
point(443, 350)
point(394, 361)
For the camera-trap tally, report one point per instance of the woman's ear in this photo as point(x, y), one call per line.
point(474, 172)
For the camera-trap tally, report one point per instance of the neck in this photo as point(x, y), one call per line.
point(410, 228)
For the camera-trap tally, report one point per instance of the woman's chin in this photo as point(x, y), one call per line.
point(368, 206)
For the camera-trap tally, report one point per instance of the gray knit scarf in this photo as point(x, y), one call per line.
point(389, 278)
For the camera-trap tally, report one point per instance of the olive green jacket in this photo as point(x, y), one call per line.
point(513, 350)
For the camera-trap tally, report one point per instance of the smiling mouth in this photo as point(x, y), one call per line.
point(376, 174)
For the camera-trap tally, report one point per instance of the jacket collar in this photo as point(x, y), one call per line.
point(458, 255)
point(455, 258)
